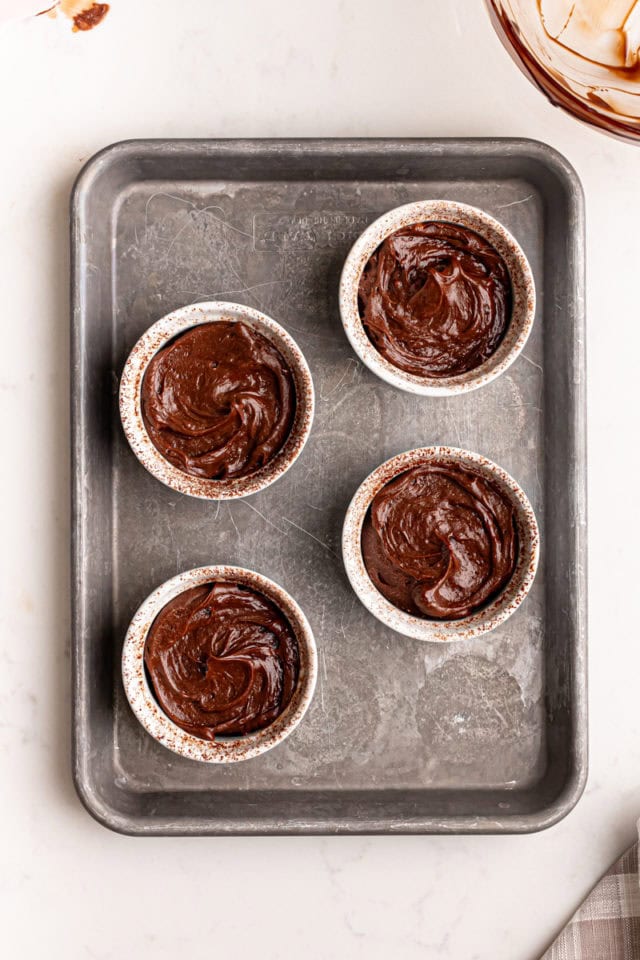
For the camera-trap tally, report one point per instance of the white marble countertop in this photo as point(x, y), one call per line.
point(208, 68)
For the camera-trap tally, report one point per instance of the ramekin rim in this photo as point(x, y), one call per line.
point(154, 339)
point(451, 211)
point(145, 706)
point(488, 617)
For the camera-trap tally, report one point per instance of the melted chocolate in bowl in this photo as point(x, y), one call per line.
point(584, 54)
point(222, 658)
point(219, 400)
point(440, 541)
point(435, 299)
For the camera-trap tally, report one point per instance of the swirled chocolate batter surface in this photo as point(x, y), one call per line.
point(435, 299)
point(219, 400)
point(222, 659)
point(440, 541)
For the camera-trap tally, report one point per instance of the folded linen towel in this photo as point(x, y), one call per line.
point(607, 925)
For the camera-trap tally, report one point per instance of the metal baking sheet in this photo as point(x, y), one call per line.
point(402, 737)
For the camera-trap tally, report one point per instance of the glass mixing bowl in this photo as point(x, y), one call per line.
point(583, 54)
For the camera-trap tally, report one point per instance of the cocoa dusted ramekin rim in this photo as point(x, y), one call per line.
point(155, 720)
point(481, 621)
point(153, 340)
point(522, 287)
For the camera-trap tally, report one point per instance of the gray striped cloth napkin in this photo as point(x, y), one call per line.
point(607, 925)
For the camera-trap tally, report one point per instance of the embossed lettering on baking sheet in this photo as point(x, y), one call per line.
point(308, 231)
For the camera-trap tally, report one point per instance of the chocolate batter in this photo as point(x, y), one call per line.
point(221, 659)
point(435, 299)
point(219, 400)
point(440, 541)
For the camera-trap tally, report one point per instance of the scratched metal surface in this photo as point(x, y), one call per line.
point(402, 736)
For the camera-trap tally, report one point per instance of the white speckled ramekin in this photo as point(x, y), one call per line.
point(157, 723)
point(156, 337)
point(523, 295)
point(483, 620)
